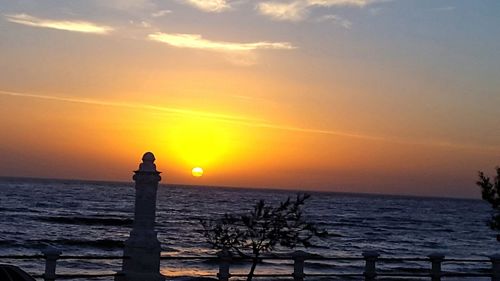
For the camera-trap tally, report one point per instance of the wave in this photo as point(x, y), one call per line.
point(88, 221)
point(99, 243)
point(103, 244)
point(7, 242)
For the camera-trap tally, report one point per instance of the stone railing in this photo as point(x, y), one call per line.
point(225, 261)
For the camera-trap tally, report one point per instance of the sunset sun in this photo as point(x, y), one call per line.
point(197, 172)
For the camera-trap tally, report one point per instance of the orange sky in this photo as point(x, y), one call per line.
point(293, 102)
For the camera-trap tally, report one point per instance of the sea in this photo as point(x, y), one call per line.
point(94, 218)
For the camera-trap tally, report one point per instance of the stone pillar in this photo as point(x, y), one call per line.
point(142, 248)
point(51, 255)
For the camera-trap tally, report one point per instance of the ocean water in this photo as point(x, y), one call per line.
point(94, 218)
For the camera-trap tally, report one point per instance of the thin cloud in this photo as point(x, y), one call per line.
point(390, 139)
point(330, 3)
point(338, 20)
point(173, 110)
point(294, 11)
point(196, 41)
point(160, 13)
point(259, 123)
point(67, 25)
point(211, 6)
point(375, 11)
point(300, 9)
point(126, 5)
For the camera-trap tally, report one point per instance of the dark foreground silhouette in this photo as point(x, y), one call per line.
point(262, 230)
point(490, 190)
point(13, 273)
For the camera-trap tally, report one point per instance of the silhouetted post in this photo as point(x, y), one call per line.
point(370, 268)
point(299, 258)
point(142, 249)
point(436, 260)
point(495, 267)
point(51, 255)
point(224, 264)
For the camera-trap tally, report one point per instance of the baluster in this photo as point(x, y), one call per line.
point(298, 265)
point(436, 260)
point(370, 267)
point(51, 255)
point(225, 258)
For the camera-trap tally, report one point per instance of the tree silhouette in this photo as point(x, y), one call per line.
point(491, 192)
point(262, 230)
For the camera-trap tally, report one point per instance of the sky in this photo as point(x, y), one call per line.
point(377, 96)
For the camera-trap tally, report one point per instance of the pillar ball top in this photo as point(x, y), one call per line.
point(51, 251)
point(147, 164)
point(148, 157)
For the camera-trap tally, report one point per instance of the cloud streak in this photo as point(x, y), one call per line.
point(389, 139)
point(299, 10)
point(294, 11)
point(196, 41)
point(258, 123)
point(173, 110)
point(338, 20)
point(330, 3)
point(211, 6)
point(160, 13)
point(67, 25)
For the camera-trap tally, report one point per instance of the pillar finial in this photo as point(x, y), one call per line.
point(148, 163)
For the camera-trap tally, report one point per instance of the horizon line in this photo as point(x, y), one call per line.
point(261, 188)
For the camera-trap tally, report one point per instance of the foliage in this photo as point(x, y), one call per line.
point(262, 230)
point(491, 192)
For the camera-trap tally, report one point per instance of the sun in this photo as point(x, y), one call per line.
point(197, 172)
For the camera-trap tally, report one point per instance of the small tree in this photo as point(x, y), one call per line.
point(262, 230)
point(491, 192)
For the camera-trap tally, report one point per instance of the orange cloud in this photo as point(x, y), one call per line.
point(67, 25)
point(196, 41)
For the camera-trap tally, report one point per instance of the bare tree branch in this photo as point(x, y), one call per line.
point(262, 229)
